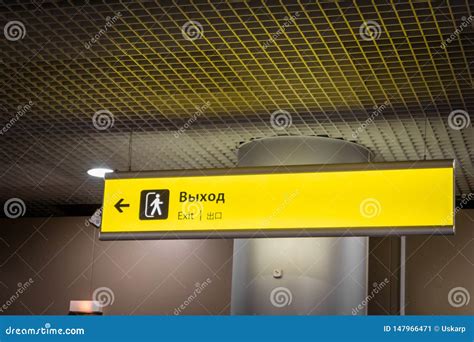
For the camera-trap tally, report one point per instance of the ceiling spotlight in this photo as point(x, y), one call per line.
point(98, 172)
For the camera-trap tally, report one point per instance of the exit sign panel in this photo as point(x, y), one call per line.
point(307, 200)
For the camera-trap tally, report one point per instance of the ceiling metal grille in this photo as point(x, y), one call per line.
point(194, 79)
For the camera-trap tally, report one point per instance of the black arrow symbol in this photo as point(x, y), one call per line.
point(119, 205)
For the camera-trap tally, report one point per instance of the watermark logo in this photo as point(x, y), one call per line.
point(458, 296)
point(281, 297)
point(104, 296)
point(103, 119)
point(192, 30)
point(191, 210)
point(370, 208)
point(370, 30)
point(281, 119)
point(198, 289)
point(459, 119)
point(14, 30)
point(14, 208)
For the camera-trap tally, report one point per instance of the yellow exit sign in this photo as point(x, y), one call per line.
point(285, 201)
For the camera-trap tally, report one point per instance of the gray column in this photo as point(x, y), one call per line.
point(299, 276)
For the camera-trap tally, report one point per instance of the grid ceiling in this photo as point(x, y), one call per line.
point(394, 88)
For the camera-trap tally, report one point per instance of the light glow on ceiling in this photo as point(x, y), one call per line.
point(99, 172)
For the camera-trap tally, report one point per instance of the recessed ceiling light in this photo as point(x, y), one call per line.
point(98, 172)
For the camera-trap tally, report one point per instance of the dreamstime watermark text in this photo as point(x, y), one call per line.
point(370, 120)
point(287, 201)
point(22, 110)
point(198, 289)
point(455, 35)
point(110, 21)
point(22, 288)
point(46, 330)
point(377, 288)
point(289, 21)
point(199, 111)
point(462, 204)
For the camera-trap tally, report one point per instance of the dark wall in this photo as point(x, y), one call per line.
point(437, 265)
point(145, 277)
point(156, 277)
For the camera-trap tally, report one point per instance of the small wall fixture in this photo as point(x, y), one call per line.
point(85, 307)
